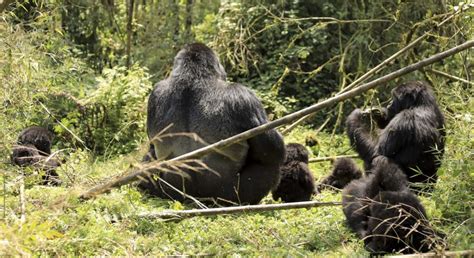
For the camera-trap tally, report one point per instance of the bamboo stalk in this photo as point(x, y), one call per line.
point(135, 174)
point(182, 214)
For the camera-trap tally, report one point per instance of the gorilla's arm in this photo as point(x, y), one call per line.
point(380, 115)
point(266, 151)
point(266, 148)
point(359, 135)
point(158, 104)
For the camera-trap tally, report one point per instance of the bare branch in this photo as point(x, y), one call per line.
point(322, 159)
point(182, 214)
point(449, 76)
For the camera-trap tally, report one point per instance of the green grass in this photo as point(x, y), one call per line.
point(58, 223)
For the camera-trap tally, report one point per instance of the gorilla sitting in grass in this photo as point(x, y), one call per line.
point(383, 212)
point(296, 180)
point(33, 149)
point(343, 172)
point(410, 132)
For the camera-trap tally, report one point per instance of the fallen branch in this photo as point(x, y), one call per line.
point(134, 174)
point(322, 159)
point(182, 214)
point(465, 253)
point(449, 76)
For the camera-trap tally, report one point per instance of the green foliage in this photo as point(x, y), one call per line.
point(308, 50)
point(61, 66)
point(115, 112)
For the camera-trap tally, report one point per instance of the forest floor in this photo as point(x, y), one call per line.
point(56, 222)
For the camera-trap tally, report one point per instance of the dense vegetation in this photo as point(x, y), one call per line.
point(84, 69)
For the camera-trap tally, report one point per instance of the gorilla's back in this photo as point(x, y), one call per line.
point(197, 116)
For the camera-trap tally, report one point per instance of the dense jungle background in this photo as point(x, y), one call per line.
point(84, 69)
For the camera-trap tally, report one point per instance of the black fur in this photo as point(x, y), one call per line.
point(197, 99)
point(344, 171)
point(383, 212)
point(33, 148)
point(296, 180)
point(411, 132)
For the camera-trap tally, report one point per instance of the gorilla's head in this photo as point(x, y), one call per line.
point(388, 175)
point(296, 152)
point(409, 95)
point(344, 171)
point(198, 60)
point(40, 137)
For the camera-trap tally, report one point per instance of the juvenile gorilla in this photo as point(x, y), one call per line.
point(411, 132)
point(196, 99)
point(343, 172)
point(383, 212)
point(296, 180)
point(33, 149)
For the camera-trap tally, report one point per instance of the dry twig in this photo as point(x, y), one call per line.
point(182, 214)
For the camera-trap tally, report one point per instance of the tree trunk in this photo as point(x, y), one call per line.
point(129, 31)
point(189, 20)
point(174, 6)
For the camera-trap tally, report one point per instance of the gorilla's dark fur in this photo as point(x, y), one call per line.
point(197, 99)
point(411, 132)
point(33, 148)
point(383, 212)
point(343, 172)
point(296, 180)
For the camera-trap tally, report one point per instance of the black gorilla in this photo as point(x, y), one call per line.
point(343, 172)
point(296, 180)
point(383, 212)
point(197, 99)
point(34, 149)
point(411, 132)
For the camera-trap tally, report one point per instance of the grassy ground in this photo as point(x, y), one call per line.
point(58, 223)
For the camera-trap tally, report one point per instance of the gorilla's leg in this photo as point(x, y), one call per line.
point(150, 155)
point(254, 182)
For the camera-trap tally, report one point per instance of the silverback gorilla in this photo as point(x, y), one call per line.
point(411, 132)
point(196, 99)
point(383, 212)
point(296, 180)
point(33, 149)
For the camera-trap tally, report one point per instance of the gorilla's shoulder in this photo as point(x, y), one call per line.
point(240, 101)
point(239, 96)
point(161, 85)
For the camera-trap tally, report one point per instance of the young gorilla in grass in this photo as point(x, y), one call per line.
point(296, 180)
point(411, 132)
point(383, 212)
point(33, 148)
point(343, 172)
point(195, 106)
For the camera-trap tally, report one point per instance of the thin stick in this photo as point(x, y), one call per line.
point(134, 175)
point(22, 199)
point(464, 253)
point(322, 159)
point(449, 76)
point(172, 214)
point(379, 67)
